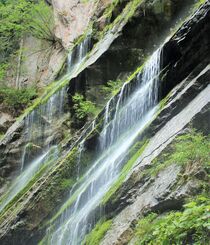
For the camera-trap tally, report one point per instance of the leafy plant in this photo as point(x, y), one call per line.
point(188, 149)
point(82, 107)
point(3, 69)
point(191, 226)
point(191, 148)
point(112, 87)
point(12, 23)
point(20, 17)
point(16, 100)
point(40, 22)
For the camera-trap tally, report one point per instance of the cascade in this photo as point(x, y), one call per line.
point(39, 149)
point(38, 128)
point(77, 55)
point(131, 115)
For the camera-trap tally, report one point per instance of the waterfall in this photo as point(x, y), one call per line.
point(38, 125)
point(77, 55)
point(131, 115)
point(38, 128)
point(40, 148)
point(24, 178)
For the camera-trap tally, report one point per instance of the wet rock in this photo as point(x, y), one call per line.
point(170, 125)
point(149, 199)
point(6, 121)
point(167, 192)
point(158, 193)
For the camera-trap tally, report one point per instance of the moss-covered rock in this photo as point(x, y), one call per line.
point(97, 234)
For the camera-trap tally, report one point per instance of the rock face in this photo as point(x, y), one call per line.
point(5, 122)
point(184, 102)
point(74, 17)
point(42, 64)
point(162, 192)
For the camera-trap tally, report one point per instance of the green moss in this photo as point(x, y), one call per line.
point(135, 73)
point(66, 174)
point(97, 234)
point(19, 197)
point(112, 88)
point(190, 226)
point(1, 136)
point(126, 14)
point(109, 9)
point(48, 92)
point(198, 4)
point(67, 183)
point(164, 101)
point(125, 171)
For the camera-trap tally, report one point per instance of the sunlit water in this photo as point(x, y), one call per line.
point(131, 115)
point(38, 128)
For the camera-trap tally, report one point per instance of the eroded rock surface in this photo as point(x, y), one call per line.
point(160, 193)
point(187, 103)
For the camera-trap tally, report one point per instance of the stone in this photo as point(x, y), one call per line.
point(6, 121)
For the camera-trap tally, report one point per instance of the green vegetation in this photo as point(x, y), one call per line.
point(96, 235)
point(15, 100)
point(3, 70)
point(40, 22)
point(1, 135)
point(138, 149)
point(198, 4)
point(124, 17)
point(191, 148)
point(190, 226)
point(83, 108)
point(67, 183)
point(13, 204)
point(19, 18)
point(112, 87)
point(109, 10)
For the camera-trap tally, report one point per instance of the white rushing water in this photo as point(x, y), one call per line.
point(77, 55)
point(131, 115)
point(37, 151)
point(26, 175)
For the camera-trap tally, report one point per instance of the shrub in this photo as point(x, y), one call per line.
point(112, 87)
point(83, 108)
point(16, 100)
point(191, 226)
point(188, 149)
point(191, 148)
point(3, 69)
point(20, 17)
point(40, 22)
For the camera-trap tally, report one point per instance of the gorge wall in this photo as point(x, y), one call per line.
point(115, 149)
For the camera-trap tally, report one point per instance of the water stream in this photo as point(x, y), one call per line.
point(131, 115)
point(77, 55)
point(40, 147)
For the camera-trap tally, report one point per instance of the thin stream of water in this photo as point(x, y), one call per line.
point(131, 115)
point(39, 149)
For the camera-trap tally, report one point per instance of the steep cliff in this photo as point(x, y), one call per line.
point(115, 148)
